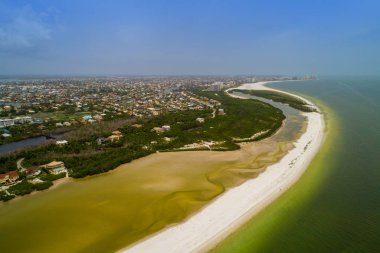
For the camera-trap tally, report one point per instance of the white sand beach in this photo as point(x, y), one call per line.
point(222, 216)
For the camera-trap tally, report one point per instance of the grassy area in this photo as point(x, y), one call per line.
point(60, 115)
point(243, 118)
point(5, 197)
point(292, 101)
point(51, 177)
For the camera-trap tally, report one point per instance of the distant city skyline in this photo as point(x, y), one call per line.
point(208, 37)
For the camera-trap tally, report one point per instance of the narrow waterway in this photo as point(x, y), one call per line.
point(13, 146)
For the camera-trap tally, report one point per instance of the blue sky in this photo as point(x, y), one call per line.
point(87, 37)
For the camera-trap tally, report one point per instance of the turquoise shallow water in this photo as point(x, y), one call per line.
point(342, 212)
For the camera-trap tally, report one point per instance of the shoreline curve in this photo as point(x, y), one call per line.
point(203, 230)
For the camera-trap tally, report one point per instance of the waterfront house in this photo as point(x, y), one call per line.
point(55, 167)
point(33, 171)
point(9, 177)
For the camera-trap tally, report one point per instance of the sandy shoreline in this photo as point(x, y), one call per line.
point(217, 220)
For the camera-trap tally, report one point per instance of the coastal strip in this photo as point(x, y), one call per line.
point(226, 213)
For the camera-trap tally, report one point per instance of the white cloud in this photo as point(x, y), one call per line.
point(24, 29)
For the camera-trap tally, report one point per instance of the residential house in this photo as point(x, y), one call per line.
point(55, 167)
point(116, 135)
point(117, 132)
point(33, 171)
point(113, 138)
point(98, 117)
point(158, 130)
point(9, 177)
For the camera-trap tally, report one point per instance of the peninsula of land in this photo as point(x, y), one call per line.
point(195, 116)
point(223, 215)
point(140, 198)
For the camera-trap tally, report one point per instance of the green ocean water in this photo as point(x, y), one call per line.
point(335, 207)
